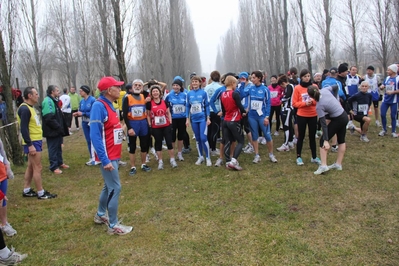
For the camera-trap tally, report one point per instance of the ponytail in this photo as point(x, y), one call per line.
point(314, 92)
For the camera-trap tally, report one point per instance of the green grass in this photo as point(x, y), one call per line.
point(267, 214)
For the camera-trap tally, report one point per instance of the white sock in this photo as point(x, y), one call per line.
point(5, 253)
point(40, 192)
point(26, 190)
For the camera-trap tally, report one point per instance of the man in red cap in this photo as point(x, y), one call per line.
point(107, 135)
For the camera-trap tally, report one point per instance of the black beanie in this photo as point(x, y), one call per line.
point(86, 89)
point(178, 82)
point(342, 68)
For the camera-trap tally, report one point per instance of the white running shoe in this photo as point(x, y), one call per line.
point(219, 162)
point(377, 123)
point(382, 133)
point(173, 163)
point(208, 162)
point(8, 230)
point(199, 161)
point(13, 258)
point(256, 159)
point(249, 150)
point(233, 164)
point(160, 165)
point(283, 148)
point(394, 135)
point(180, 157)
point(335, 166)
point(276, 133)
point(321, 169)
point(120, 229)
point(291, 145)
point(263, 141)
point(272, 158)
point(215, 152)
point(364, 139)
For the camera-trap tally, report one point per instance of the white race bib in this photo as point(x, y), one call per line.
point(389, 87)
point(305, 97)
point(363, 108)
point(273, 94)
point(195, 108)
point(85, 119)
point(137, 111)
point(37, 120)
point(118, 136)
point(256, 105)
point(160, 120)
point(179, 109)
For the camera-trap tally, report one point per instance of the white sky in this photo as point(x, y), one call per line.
point(211, 19)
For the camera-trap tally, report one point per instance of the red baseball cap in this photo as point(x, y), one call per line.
point(107, 82)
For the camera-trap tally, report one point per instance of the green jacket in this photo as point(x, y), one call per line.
point(75, 100)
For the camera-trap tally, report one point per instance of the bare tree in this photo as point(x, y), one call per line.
point(119, 50)
point(381, 24)
point(102, 9)
point(7, 53)
point(302, 23)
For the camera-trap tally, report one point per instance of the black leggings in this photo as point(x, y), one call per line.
point(311, 122)
point(213, 130)
point(179, 125)
point(286, 117)
point(144, 141)
point(161, 133)
point(232, 131)
point(337, 126)
point(277, 110)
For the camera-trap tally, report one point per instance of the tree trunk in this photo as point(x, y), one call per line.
point(120, 53)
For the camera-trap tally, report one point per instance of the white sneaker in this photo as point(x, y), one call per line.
point(122, 163)
point(291, 145)
point(147, 158)
point(321, 169)
point(101, 219)
point(334, 149)
point(154, 153)
point(13, 258)
point(164, 147)
point(272, 158)
point(335, 167)
point(283, 148)
point(160, 165)
point(382, 133)
point(233, 164)
point(8, 230)
point(173, 163)
point(208, 162)
point(364, 139)
point(294, 141)
point(377, 123)
point(263, 141)
point(180, 157)
point(120, 229)
point(394, 135)
point(316, 160)
point(247, 147)
point(219, 162)
point(256, 159)
point(276, 133)
point(199, 161)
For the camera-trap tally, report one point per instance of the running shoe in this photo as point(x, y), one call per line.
point(13, 258)
point(256, 159)
point(173, 163)
point(249, 150)
point(334, 148)
point(299, 161)
point(263, 141)
point(364, 139)
point(272, 158)
point(132, 171)
point(145, 168)
point(8, 230)
point(180, 157)
point(233, 164)
point(160, 165)
point(394, 135)
point(316, 160)
point(219, 162)
point(208, 162)
point(321, 169)
point(199, 161)
point(47, 195)
point(291, 145)
point(377, 123)
point(147, 158)
point(335, 166)
point(283, 148)
point(31, 193)
point(101, 219)
point(122, 163)
point(276, 133)
point(120, 229)
point(352, 129)
point(382, 133)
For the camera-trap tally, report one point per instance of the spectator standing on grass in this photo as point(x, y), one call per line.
point(31, 133)
point(84, 112)
point(75, 100)
point(390, 100)
point(107, 136)
point(66, 108)
point(328, 105)
point(54, 129)
point(159, 120)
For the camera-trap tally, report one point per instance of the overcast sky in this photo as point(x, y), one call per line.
point(211, 20)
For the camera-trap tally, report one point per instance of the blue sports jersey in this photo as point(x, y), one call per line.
point(85, 108)
point(215, 97)
point(241, 90)
point(197, 106)
point(391, 84)
point(177, 103)
point(259, 101)
point(330, 81)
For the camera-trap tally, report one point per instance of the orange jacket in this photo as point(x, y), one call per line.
point(299, 101)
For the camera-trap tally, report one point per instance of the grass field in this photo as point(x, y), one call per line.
point(267, 214)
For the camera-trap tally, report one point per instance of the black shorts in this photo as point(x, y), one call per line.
point(375, 104)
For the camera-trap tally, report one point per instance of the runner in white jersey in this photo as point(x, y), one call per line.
point(374, 82)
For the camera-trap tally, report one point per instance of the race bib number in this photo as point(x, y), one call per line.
point(179, 109)
point(160, 120)
point(137, 111)
point(118, 136)
point(85, 119)
point(305, 97)
point(195, 108)
point(363, 108)
point(389, 87)
point(273, 94)
point(256, 105)
point(37, 120)
point(354, 82)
